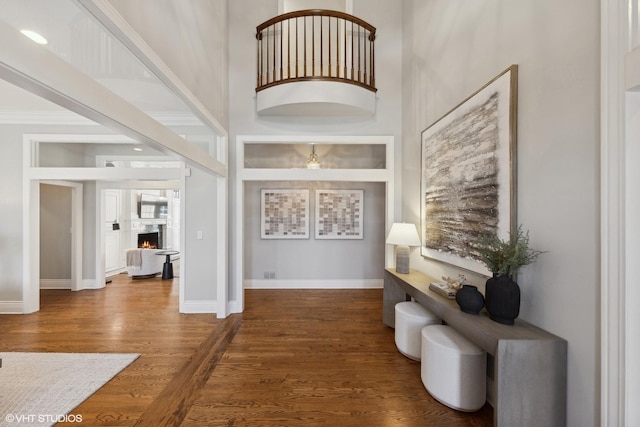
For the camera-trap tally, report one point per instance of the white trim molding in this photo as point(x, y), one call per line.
point(314, 284)
point(612, 227)
point(11, 307)
point(92, 284)
point(198, 307)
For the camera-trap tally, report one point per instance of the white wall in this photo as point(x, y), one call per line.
point(452, 48)
point(199, 263)
point(244, 16)
point(312, 259)
point(11, 262)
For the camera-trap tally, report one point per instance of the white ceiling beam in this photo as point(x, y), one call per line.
point(106, 174)
point(41, 72)
point(361, 175)
point(109, 17)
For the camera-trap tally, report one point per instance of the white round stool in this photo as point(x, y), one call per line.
point(453, 369)
point(411, 317)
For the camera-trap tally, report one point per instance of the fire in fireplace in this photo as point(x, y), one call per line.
point(148, 240)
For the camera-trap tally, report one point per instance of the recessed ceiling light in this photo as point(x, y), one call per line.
point(34, 36)
point(137, 149)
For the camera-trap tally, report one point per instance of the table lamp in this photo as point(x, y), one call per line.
point(403, 235)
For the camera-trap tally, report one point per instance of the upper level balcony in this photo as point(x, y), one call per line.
point(316, 63)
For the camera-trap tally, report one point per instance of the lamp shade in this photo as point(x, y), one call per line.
point(403, 233)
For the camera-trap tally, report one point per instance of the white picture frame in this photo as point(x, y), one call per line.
point(339, 214)
point(284, 213)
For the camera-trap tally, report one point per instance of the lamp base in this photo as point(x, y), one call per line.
point(402, 259)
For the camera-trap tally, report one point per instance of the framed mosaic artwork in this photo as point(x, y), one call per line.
point(468, 174)
point(284, 214)
point(339, 214)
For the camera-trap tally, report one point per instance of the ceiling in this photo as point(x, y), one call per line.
point(77, 38)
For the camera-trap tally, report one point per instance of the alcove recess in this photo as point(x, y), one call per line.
point(283, 158)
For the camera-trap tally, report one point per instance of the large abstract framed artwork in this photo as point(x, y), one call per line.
point(339, 214)
point(468, 174)
point(284, 214)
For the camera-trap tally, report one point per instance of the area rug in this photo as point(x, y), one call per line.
point(40, 389)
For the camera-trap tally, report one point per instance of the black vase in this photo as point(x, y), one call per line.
point(470, 299)
point(502, 295)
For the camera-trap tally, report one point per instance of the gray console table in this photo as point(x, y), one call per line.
point(529, 364)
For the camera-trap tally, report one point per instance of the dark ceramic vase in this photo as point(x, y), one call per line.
point(502, 299)
point(470, 299)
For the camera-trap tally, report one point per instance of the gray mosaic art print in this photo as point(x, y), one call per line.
point(284, 214)
point(339, 214)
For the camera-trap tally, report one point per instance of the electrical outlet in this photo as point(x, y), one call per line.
point(266, 274)
point(272, 275)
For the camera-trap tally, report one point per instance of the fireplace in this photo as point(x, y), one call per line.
point(149, 240)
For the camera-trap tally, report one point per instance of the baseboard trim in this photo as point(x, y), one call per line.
point(314, 284)
point(198, 307)
point(55, 284)
point(115, 272)
point(234, 307)
point(92, 284)
point(11, 307)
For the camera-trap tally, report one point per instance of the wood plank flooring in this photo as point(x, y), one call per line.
point(293, 358)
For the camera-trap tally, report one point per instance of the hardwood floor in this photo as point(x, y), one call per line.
point(293, 358)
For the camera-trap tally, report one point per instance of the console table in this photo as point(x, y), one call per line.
point(529, 368)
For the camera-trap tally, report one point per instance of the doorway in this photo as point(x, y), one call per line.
point(55, 236)
point(125, 221)
point(60, 235)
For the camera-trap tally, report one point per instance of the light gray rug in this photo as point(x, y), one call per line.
point(40, 389)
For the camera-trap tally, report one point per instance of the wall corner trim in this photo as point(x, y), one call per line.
point(198, 306)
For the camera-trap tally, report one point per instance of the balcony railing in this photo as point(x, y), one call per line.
point(316, 45)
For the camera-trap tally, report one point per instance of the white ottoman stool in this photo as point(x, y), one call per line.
point(453, 369)
point(411, 317)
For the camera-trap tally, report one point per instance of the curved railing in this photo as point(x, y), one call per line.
point(315, 45)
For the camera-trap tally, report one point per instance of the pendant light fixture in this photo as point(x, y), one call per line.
point(313, 162)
